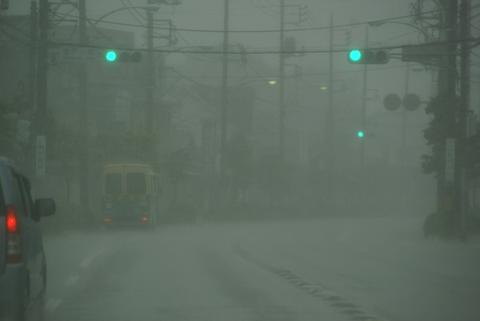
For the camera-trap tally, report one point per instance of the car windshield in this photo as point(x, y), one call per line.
point(242, 160)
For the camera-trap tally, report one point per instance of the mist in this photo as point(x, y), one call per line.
point(241, 160)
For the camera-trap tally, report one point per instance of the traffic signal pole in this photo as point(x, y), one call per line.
point(281, 83)
point(151, 81)
point(225, 91)
point(364, 103)
point(329, 123)
point(463, 181)
point(83, 106)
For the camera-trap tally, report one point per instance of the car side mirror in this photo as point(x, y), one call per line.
point(44, 207)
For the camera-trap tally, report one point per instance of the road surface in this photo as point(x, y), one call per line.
point(331, 269)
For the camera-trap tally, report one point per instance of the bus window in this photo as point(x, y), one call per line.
point(136, 183)
point(113, 184)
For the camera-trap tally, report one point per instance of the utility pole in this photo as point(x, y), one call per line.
point(151, 80)
point(33, 54)
point(364, 103)
point(42, 67)
point(447, 197)
point(32, 81)
point(83, 106)
point(40, 95)
point(281, 83)
point(225, 91)
point(463, 182)
point(404, 116)
point(329, 122)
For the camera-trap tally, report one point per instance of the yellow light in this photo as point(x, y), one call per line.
point(323, 88)
point(272, 82)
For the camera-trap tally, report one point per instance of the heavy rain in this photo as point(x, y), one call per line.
point(239, 160)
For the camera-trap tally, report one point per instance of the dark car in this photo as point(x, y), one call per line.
point(23, 268)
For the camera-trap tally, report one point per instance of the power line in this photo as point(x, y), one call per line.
point(475, 40)
point(199, 30)
point(135, 14)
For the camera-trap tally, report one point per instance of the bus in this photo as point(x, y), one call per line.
point(131, 194)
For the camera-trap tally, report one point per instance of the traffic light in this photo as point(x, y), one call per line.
point(368, 56)
point(360, 134)
point(113, 56)
point(355, 55)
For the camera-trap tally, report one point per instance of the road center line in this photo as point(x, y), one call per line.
point(86, 262)
point(53, 304)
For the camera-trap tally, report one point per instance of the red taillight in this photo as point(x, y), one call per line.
point(14, 249)
point(107, 220)
point(11, 220)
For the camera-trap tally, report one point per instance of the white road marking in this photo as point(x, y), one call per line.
point(72, 280)
point(86, 262)
point(53, 304)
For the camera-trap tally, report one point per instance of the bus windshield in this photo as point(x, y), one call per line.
point(113, 184)
point(136, 183)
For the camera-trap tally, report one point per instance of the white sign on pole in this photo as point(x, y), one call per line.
point(40, 156)
point(450, 160)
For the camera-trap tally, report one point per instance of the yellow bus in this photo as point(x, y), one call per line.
point(131, 194)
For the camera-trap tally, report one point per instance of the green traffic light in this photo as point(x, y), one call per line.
point(355, 55)
point(111, 56)
point(360, 134)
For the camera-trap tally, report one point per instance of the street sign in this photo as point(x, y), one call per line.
point(392, 102)
point(450, 160)
point(40, 156)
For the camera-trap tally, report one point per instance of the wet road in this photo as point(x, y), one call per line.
point(261, 272)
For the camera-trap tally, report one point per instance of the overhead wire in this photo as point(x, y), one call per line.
point(135, 14)
point(475, 40)
point(247, 31)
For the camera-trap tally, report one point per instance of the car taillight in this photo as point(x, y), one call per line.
point(107, 220)
point(14, 249)
point(11, 220)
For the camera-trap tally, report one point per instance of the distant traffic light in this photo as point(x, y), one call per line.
point(355, 56)
point(368, 56)
point(112, 56)
point(360, 134)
